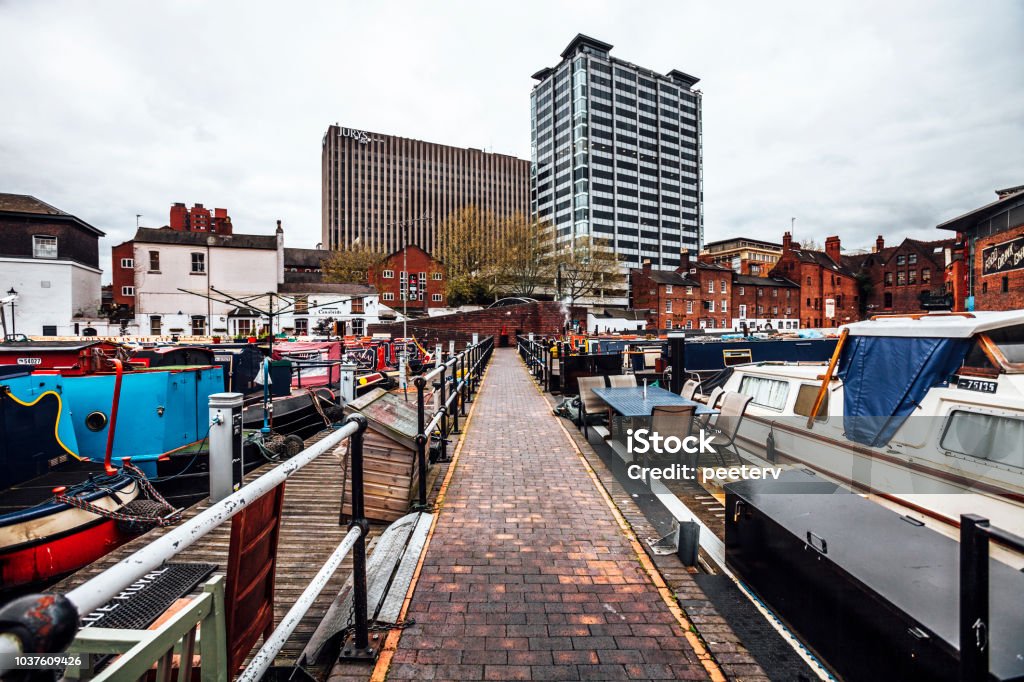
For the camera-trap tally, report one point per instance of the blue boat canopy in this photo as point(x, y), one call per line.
point(885, 377)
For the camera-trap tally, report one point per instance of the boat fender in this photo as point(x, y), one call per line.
point(769, 445)
point(293, 445)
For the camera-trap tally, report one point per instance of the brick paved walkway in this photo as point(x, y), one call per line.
point(528, 575)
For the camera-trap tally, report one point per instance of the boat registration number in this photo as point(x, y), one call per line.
point(980, 385)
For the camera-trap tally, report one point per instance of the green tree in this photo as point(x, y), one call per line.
point(524, 259)
point(351, 265)
point(468, 244)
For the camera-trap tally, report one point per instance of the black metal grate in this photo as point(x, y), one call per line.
point(145, 600)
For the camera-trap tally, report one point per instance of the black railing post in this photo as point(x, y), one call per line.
point(421, 441)
point(443, 423)
point(358, 646)
point(973, 598)
point(454, 395)
point(464, 382)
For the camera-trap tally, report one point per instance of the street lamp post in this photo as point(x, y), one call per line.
point(12, 293)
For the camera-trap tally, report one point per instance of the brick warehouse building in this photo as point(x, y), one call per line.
point(765, 302)
point(745, 256)
point(900, 278)
point(990, 273)
point(828, 287)
point(694, 296)
point(425, 275)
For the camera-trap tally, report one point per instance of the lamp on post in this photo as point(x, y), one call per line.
point(14, 296)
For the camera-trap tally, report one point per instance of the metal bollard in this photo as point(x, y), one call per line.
point(443, 423)
point(225, 444)
point(421, 442)
point(347, 383)
point(357, 644)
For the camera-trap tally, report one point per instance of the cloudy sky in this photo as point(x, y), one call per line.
point(854, 117)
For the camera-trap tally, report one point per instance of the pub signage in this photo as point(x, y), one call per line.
point(1003, 257)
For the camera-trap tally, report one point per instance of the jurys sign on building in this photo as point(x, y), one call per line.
point(360, 136)
point(1003, 257)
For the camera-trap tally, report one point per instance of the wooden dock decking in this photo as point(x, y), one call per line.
point(309, 533)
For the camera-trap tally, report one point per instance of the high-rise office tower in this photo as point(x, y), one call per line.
point(381, 189)
point(616, 154)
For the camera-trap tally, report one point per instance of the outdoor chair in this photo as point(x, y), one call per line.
point(672, 420)
point(622, 381)
point(712, 402)
point(690, 389)
point(591, 407)
point(727, 426)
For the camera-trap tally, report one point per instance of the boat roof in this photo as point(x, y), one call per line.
point(937, 325)
point(41, 346)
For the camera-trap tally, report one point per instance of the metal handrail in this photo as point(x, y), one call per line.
point(264, 658)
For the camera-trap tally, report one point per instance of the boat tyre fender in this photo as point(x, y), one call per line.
point(293, 445)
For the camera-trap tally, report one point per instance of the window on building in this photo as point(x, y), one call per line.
point(127, 291)
point(743, 291)
point(668, 288)
point(387, 296)
point(689, 291)
point(198, 325)
point(888, 299)
point(44, 246)
point(154, 261)
point(155, 326)
point(689, 307)
point(49, 330)
point(984, 287)
point(388, 274)
point(301, 306)
point(901, 260)
point(668, 324)
point(808, 280)
point(711, 286)
point(198, 263)
point(1005, 288)
point(436, 298)
point(127, 262)
point(912, 277)
point(901, 278)
point(689, 324)
point(723, 286)
point(760, 310)
point(436, 276)
point(775, 292)
point(926, 275)
point(888, 279)
point(358, 326)
point(760, 292)
point(357, 305)
point(743, 311)
point(912, 259)
point(243, 327)
point(668, 306)
point(301, 326)
point(725, 306)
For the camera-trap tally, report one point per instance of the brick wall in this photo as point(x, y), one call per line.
point(998, 290)
point(544, 318)
point(122, 276)
point(416, 261)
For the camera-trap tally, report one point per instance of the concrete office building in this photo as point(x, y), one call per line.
point(372, 182)
point(616, 154)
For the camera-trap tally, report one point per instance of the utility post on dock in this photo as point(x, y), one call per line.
point(347, 383)
point(225, 444)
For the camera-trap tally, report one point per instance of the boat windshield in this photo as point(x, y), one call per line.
point(1010, 341)
point(1007, 345)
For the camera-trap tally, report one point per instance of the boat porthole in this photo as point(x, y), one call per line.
point(95, 421)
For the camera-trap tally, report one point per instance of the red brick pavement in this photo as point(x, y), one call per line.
point(528, 575)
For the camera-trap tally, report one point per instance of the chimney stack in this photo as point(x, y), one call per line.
point(684, 260)
point(832, 247)
point(646, 265)
point(879, 244)
point(787, 241)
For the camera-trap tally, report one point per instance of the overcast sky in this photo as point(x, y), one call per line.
point(856, 118)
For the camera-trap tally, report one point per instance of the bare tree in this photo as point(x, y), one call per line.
point(585, 268)
point(467, 243)
point(524, 259)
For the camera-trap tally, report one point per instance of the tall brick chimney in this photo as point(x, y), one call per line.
point(879, 244)
point(832, 247)
point(684, 260)
point(646, 267)
point(787, 241)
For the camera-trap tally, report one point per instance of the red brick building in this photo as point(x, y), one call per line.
point(828, 287)
point(199, 219)
point(425, 276)
point(694, 296)
point(900, 278)
point(765, 302)
point(987, 270)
